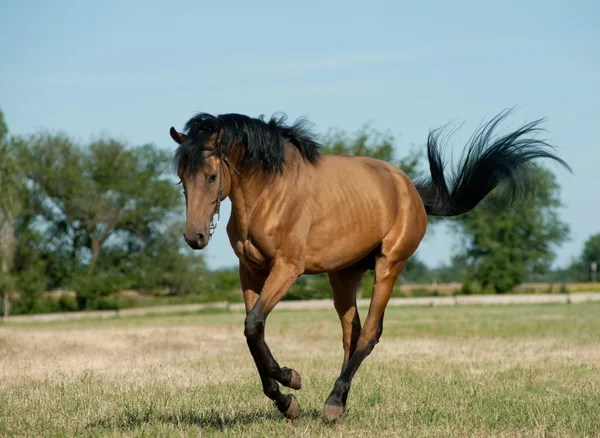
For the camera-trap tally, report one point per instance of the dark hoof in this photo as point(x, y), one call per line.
point(295, 381)
point(293, 409)
point(332, 413)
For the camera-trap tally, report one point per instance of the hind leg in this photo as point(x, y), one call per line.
point(386, 273)
point(380, 328)
point(344, 285)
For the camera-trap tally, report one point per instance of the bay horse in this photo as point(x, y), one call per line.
point(295, 211)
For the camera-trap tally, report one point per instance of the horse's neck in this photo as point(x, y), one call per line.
point(245, 197)
point(248, 195)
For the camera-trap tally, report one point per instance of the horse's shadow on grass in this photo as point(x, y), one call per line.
point(209, 419)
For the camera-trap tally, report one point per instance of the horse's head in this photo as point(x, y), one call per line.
point(206, 182)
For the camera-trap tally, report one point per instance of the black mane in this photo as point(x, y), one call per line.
point(264, 142)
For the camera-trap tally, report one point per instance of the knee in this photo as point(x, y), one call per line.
point(254, 326)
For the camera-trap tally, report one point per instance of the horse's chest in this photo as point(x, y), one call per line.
point(252, 248)
point(251, 255)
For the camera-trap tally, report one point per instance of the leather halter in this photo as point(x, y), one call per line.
point(217, 214)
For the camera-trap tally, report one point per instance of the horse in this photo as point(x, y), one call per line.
point(296, 211)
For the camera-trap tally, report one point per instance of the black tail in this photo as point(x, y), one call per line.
point(486, 163)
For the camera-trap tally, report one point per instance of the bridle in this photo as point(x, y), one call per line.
point(217, 214)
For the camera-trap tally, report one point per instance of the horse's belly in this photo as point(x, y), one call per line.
point(333, 253)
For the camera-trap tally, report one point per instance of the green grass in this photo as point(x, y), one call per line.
point(453, 371)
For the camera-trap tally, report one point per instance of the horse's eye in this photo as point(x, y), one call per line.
point(212, 178)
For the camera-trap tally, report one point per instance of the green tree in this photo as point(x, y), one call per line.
point(451, 273)
point(580, 269)
point(502, 247)
point(30, 262)
point(591, 250)
point(415, 271)
point(155, 262)
point(92, 198)
point(11, 200)
point(369, 142)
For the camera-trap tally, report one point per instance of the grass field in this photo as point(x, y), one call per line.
point(458, 371)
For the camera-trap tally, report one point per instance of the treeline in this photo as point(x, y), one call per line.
point(95, 219)
point(101, 218)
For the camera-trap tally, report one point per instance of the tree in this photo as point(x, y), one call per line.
point(90, 199)
point(155, 263)
point(501, 247)
point(415, 271)
point(11, 199)
point(30, 262)
point(369, 142)
point(580, 268)
point(591, 250)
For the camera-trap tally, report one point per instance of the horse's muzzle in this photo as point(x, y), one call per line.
point(199, 241)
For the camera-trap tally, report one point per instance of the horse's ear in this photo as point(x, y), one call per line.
point(177, 136)
point(219, 137)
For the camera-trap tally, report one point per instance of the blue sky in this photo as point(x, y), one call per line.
point(132, 69)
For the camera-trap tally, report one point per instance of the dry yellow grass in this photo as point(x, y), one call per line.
point(512, 371)
point(173, 353)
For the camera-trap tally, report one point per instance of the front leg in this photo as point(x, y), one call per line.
point(269, 370)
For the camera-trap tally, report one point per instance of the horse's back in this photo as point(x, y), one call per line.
point(362, 182)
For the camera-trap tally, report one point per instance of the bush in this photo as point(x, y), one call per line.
point(489, 290)
point(367, 284)
point(420, 292)
point(310, 288)
point(467, 288)
point(67, 303)
point(44, 305)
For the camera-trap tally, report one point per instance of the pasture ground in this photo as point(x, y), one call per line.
point(518, 370)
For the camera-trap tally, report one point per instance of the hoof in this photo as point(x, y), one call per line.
point(332, 413)
point(293, 409)
point(295, 381)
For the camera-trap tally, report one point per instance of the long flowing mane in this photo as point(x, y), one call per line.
point(264, 142)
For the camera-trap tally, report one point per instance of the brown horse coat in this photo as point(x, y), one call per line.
point(295, 212)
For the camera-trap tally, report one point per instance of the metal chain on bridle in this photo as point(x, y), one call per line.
point(217, 214)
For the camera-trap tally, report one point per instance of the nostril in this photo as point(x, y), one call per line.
point(200, 237)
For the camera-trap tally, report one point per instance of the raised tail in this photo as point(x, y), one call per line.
point(486, 163)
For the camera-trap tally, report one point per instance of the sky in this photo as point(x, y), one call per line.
point(132, 69)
